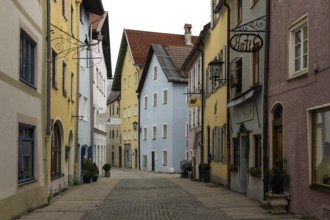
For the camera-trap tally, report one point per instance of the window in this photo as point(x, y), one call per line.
point(125, 113)
point(155, 73)
point(154, 132)
point(186, 130)
point(255, 66)
point(56, 152)
point(125, 135)
point(136, 134)
point(27, 58)
point(144, 161)
point(165, 96)
point(164, 157)
point(64, 8)
point(155, 99)
point(72, 87)
point(25, 153)
point(321, 147)
point(136, 109)
point(136, 78)
point(54, 69)
point(72, 20)
point(237, 75)
point(236, 151)
point(298, 52)
point(64, 69)
point(164, 135)
point(129, 81)
point(129, 111)
point(257, 151)
point(219, 142)
point(145, 102)
point(129, 134)
point(145, 131)
point(239, 11)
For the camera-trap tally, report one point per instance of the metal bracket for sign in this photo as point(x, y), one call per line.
point(246, 37)
point(68, 47)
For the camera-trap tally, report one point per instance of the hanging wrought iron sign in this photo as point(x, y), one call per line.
point(246, 37)
point(246, 42)
point(68, 48)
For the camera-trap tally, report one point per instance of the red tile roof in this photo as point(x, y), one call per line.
point(139, 42)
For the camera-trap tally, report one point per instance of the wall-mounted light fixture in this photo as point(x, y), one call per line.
point(135, 124)
point(215, 67)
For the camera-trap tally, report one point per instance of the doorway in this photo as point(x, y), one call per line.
point(152, 160)
point(277, 124)
point(120, 157)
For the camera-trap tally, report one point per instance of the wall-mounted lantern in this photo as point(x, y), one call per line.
point(135, 125)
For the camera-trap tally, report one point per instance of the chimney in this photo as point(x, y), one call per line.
point(187, 34)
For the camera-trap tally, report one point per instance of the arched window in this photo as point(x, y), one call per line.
point(56, 152)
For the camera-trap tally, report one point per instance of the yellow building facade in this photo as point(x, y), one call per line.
point(129, 105)
point(61, 144)
point(215, 112)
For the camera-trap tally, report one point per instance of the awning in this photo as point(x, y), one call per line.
point(241, 99)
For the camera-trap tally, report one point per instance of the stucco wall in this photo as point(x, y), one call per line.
point(299, 94)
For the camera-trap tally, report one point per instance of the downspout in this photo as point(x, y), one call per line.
point(139, 117)
point(265, 104)
point(228, 96)
point(203, 104)
point(91, 103)
point(48, 125)
point(138, 128)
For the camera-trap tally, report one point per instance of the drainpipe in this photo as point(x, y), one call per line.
point(48, 125)
point(265, 104)
point(138, 130)
point(228, 96)
point(91, 102)
point(203, 104)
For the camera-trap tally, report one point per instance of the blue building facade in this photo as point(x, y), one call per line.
point(163, 109)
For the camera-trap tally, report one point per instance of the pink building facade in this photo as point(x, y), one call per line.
point(299, 101)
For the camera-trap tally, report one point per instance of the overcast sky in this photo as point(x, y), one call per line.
point(167, 16)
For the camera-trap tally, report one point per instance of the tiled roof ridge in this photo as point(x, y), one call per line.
point(155, 32)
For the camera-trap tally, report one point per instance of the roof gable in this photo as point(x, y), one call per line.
point(140, 41)
point(139, 44)
point(170, 58)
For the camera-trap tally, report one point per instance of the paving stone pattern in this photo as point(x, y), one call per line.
point(152, 199)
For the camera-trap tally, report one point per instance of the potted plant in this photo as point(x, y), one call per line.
point(204, 172)
point(87, 170)
point(107, 167)
point(95, 172)
point(255, 172)
point(277, 179)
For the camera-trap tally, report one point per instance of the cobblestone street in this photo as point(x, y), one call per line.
point(152, 199)
point(132, 194)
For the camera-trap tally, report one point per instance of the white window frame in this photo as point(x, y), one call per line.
point(164, 131)
point(129, 111)
point(136, 109)
point(297, 26)
point(145, 133)
point(165, 96)
point(154, 132)
point(164, 162)
point(145, 102)
point(154, 99)
point(154, 72)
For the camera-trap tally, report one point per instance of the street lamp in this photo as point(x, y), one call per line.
point(135, 125)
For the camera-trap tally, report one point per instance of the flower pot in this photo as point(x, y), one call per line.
point(277, 203)
point(87, 179)
point(107, 174)
point(94, 178)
